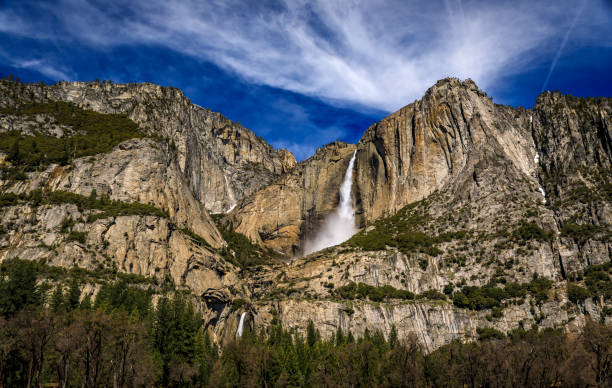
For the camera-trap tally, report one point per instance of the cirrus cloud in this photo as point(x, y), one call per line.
point(363, 54)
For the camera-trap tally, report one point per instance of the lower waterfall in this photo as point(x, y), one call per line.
point(240, 325)
point(340, 225)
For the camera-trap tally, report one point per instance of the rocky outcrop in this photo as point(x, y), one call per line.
point(281, 215)
point(221, 160)
point(138, 170)
point(305, 291)
point(573, 138)
point(430, 143)
point(433, 324)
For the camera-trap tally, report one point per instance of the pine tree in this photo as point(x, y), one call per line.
point(74, 295)
point(162, 336)
point(14, 155)
point(43, 293)
point(18, 288)
point(350, 339)
point(339, 336)
point(86, 303)
point(312, 334)
point(93, 196)
point(206, 355)
point(393, 341)
point(57, 299)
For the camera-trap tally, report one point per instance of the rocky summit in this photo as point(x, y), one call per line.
point(470, 215)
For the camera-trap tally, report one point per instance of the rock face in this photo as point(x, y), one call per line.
point(573, 137)
point(450, 191)
point(284, 213)
point(138, 170)
point(221, 160)
point(505, 194)
point(431, 143)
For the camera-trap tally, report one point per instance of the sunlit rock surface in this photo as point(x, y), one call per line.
point(474, 173)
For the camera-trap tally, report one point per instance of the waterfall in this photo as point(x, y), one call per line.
point(240, 325)
point(340, 225)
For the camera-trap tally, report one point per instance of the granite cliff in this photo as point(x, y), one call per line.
point(221, 160)
point(457, 195)
point(471, 214)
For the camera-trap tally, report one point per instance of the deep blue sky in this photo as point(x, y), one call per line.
point(304, 75)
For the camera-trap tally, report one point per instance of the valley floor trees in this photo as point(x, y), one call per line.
point(121, 340)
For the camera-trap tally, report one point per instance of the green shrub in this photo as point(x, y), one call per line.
point(576, 294)
point(598, 279)
point(490, 296)
point(448, 289)
point(67, 224)
point(238, 303)
point(9, 199)
point(485, 333)
point(375, 294)
point(433, 295)
point(539, 287)
point(423, 263)
point(77, 236)
point(531, 231)
point(583, 233)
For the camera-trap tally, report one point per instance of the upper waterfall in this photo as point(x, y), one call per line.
point(339, 225)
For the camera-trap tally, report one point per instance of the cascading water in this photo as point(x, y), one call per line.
point(340, 225)
point(240, 325)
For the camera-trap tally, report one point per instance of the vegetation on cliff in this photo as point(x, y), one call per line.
point(240, 250)
point(90, 133)
point(402, 231)
point(598, 282)
point(103, 206)
point(490, 296)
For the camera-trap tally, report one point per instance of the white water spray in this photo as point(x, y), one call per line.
point(339, 225)
point(240, 325)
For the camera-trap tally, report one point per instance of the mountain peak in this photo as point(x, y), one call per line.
point(452, 84)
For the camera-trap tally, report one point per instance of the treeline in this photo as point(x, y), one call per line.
point(522, 359)
point(53, 335)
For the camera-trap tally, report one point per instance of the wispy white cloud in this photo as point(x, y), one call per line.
point(39, 65)
point(43, 68)
point(368, 54)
